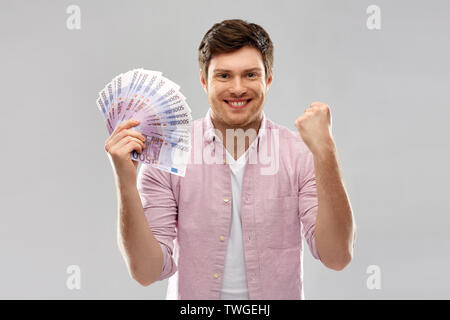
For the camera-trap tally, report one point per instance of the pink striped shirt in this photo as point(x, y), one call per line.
point(190, 215)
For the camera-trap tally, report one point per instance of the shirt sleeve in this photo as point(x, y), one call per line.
point(161, 212)
point(308, 203)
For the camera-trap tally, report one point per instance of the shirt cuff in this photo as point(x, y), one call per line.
point(313, 247)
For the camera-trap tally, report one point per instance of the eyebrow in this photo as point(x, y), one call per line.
point(246, 70)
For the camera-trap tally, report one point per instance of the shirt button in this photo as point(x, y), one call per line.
point(224, 160)
point(226, 199)
point(216, 275)
point(222, 238)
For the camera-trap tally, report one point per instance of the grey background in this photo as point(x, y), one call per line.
point(387, 89)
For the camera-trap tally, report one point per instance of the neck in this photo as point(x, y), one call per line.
point(235, 139)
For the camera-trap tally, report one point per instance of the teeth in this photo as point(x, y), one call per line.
point(238, 104)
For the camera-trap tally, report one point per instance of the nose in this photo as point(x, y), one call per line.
point(237, 87)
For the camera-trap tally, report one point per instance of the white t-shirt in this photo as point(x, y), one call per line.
point(234, 282)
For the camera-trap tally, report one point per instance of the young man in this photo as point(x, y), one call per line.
point(231, 229)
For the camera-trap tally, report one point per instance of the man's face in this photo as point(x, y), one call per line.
point(236, 88)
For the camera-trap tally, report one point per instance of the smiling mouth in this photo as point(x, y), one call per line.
point(237, 104)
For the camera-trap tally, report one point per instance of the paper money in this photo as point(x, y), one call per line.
point(164, 115)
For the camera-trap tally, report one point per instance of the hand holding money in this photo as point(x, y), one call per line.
point(162, 135)
point(121, 143)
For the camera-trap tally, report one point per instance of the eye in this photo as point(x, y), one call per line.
point(251, 73)
point(222, 74)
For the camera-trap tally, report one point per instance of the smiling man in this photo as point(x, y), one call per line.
point(227, 230)
point(236, 91)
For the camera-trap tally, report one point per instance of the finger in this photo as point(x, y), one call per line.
point(298, 121)
point(126, 125)
point(320, 106)
point(125, 133)
point(316, 103)
point(120, 145)
point(136, 140)
point(133, 145)
point(135, 133)
point(312, 106)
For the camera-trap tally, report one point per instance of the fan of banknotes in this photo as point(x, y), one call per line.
point(165, 118)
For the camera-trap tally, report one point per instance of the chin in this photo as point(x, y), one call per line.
point(242, 123)
point(237, 118)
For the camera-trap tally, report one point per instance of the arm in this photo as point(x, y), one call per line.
point(137, 244)
point(158, 198)
point(335, 227)
point(140, 250)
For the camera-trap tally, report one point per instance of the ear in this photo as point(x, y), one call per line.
point(269, 80)
point(203, 82)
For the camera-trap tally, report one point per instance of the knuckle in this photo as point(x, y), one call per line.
point(125, 132)
point(113, 152)
point(121, 127)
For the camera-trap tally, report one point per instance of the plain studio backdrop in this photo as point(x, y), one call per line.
point(387, 88)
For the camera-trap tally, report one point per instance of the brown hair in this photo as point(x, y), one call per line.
point(231, 35)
